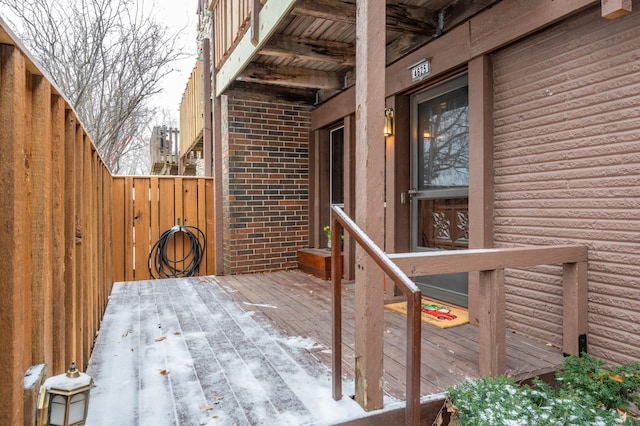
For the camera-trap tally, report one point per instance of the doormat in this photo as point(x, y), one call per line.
point(435, 313)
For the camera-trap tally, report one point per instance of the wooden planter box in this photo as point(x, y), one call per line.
point(316, 262)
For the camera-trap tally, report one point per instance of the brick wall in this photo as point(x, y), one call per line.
point(265, 169)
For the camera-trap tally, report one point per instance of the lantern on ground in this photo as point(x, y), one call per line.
point(64, 399)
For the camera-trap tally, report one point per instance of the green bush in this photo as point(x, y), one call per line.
point(588, 394)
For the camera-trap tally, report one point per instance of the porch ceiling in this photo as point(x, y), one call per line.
point(310, 56)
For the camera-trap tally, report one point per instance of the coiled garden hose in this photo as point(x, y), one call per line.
point(164, 267)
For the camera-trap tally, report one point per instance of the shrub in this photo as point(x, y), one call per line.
point(588, 394)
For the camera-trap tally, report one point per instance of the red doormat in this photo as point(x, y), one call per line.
point(435, 313)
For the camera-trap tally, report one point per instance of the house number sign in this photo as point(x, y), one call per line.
point(420, 70)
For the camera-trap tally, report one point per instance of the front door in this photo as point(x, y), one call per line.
point(440, 175)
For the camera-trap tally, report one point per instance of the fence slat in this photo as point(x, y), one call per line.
point(41, 263)
point(118, 191)
point(58, 126)
point(141, 223)
point(70, 234)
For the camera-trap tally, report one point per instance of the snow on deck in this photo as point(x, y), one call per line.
point(181, 352)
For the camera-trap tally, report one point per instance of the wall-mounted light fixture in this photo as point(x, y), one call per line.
point(388, 121)
point(64, 399)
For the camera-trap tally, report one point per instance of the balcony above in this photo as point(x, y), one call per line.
point(305, 49)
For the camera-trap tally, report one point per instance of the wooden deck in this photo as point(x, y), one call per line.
point(255, 349)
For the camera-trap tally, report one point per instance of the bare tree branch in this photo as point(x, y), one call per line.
point(108, 56)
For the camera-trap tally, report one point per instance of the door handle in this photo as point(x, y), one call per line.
point(412, 192)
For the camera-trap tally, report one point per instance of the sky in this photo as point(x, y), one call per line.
point(180, 16)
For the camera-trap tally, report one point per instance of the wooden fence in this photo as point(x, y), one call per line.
point(55, 215)
point(67, 229)
point(145, 207)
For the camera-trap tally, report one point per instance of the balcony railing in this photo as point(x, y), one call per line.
point(192, 111)
point(231, 20)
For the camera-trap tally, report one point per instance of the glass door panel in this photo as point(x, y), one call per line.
point(440, 173)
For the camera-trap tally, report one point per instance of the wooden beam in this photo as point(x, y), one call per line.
point(370, 146)
point(404, 44)
point(445, 20)
point(412, 19)
point(267, 92)
point(480, 164)
point(332, 52)
point(291, 77)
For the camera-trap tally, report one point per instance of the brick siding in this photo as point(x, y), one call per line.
point(266, 179)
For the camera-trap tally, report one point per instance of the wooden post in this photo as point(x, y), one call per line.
point(480, 166)
point(349, 192)
point(256, 6)
point(370, 148)
point(216, 153)
point(12, 217)
point(207, 134)
point(336, 308)
point(414, 349)
point(491, 325)
point(312, 205)
point(574, 305)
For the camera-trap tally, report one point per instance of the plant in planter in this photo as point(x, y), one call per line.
point(327, 232)
point(587, 394)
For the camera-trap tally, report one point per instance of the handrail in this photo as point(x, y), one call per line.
point(490, 264)
point(340, 221)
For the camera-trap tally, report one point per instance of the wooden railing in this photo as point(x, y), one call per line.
point(340, 221)
point(69, 229)
point(144, 207)
point(230, 22)
point(192, 110)
point(490, 263)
